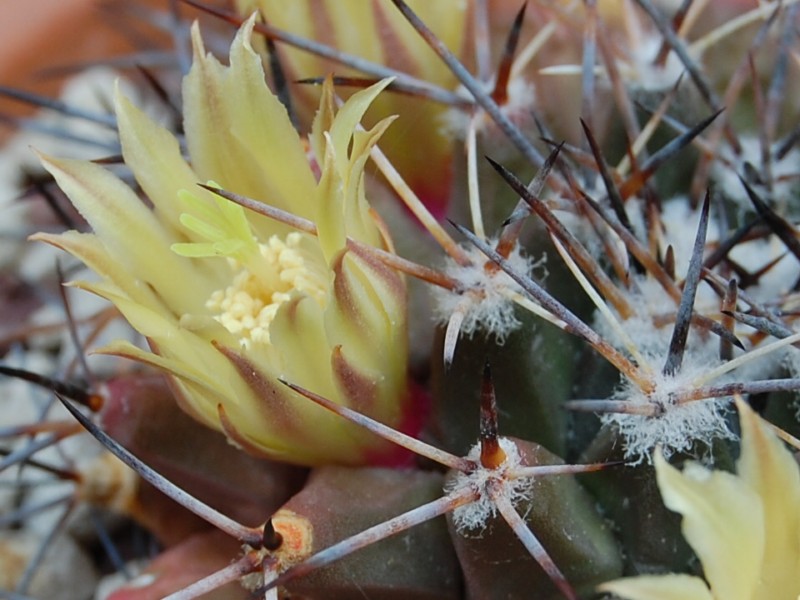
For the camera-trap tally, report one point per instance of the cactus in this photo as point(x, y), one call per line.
point(323, 389)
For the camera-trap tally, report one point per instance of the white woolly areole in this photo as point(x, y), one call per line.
point(642, 73)
point(521, 97)
point(680, 227)
point(474, 516)
point(680, 221)
point(784, 172)
point(648, 300)
point(488, 308)
point(791, 360)
point(679, 426)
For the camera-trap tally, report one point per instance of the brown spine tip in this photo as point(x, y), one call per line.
point(500, 91)
point(95, 402)
point(669, 261)
point(271, 540)
point(492, 455)
point(729, 302)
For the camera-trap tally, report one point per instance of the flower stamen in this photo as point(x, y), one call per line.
point(248, 306)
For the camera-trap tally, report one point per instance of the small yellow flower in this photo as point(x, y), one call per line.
point(745, 528)
point(229, 300)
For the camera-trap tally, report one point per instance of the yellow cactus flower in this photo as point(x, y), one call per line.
point(376, 31)
point(229, 300)
point(745, 528)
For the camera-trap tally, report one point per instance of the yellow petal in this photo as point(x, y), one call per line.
point(147, 320)
point(181, 369)
point(329, 198)
point(260, 122)
point(299, 331)
point(128, 229)
point(341, 206)
point(348, 117)
point(89, 249)
point(723, 522)
point(154, 157)
point(238, 132)
point(275, 418)
point(659, 587)
point(447, 19)
point(323, 119)
point(769, 469)
point(360, 223)
point(361, 318)
point(184, 372)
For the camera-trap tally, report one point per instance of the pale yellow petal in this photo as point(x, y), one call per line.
point(323, 120)
point(301, 18)
point(179, 368)
point(448, 20)
point(204, 412)
point(130, 232)
point(360, 223)
point(378, 32)
point(348, 117)
point(274, 417)
point(723, 521)
point(150, 321)
point(215, 152)
point(154, 157)
point(299, 331)
point(342, 209)
point(356, 28)
point(373, 30)
point(770, 469)
point(260, 122)
point(659, 587)
point(329, 200)
point(239, 134)
point(368, 297)
point(89, 249)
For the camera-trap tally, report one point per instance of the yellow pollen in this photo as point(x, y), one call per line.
point(247, 307)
